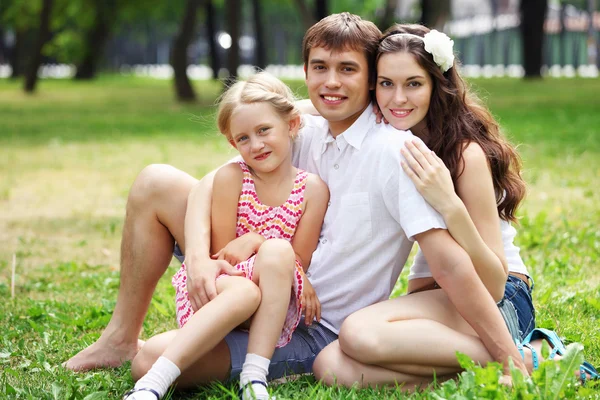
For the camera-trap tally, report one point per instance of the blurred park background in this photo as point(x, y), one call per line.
point(210, 39)
point(93, 91)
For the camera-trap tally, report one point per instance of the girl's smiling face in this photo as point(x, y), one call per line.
point(403, 91)
point(261, 135)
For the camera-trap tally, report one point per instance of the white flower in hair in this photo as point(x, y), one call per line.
point(439, 45)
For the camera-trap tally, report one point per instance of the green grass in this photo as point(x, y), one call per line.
point(69, 154)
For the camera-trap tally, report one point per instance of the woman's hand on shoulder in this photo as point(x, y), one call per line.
point(429, 174)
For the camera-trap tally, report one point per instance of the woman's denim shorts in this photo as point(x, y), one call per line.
point(517, 307)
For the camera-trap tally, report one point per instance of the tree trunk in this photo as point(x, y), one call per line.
point(259, 47)
point(3, 48)
point(31, 74)
point(435, 13)
point(233, 11)
point(533, 15)
point(179, 58)
point(321, 9)
point(389, 15)
point(16, 55)
point(307, 17)
point(96, 40)
point(211, 35)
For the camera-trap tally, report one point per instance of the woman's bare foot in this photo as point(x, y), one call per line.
point(103, 354)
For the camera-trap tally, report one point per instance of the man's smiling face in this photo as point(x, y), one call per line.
point(338, 85)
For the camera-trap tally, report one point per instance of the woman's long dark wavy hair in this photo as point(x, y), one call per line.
point(457, 117)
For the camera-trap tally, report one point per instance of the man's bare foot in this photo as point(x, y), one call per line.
point(102, 354)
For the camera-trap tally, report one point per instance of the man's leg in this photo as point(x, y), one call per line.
point(154, 219)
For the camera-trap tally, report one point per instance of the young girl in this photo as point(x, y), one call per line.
point(266, 220)
point(471, 177)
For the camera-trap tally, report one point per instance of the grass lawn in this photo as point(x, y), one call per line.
point(69, 154)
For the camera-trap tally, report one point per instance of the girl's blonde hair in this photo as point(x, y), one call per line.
point(260, 87)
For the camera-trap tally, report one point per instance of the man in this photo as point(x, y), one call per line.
point(374, 213)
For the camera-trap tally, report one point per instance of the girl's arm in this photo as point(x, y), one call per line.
point(226, 193)
point(316, 197)
point(470, 212)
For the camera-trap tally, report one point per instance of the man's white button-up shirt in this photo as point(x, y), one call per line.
point(373, 215)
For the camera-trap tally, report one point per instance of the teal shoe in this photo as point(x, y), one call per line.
point(558, 347)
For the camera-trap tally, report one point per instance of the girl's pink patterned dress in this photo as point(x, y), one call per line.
point(272, 223)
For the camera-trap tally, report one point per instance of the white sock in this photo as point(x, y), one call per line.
point(162, 375)
point(255, 368)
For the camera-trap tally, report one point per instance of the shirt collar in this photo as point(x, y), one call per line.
point(357, 132)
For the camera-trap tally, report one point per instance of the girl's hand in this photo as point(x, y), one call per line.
point(429, 174)
point(379, 115)
point(240, 249)
point(311, 306)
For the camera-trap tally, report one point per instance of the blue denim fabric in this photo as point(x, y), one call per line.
point(519, 294)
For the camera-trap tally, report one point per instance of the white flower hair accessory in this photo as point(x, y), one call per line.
point(440, 46)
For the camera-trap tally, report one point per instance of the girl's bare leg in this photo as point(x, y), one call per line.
point(237, 299)
point(274, 274)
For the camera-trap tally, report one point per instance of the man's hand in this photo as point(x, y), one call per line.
point(240, 249)
point(201, 279)
point(311, 306)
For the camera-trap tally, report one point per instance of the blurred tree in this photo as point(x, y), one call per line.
point(310, 16)
point(259, 46)
point(307, 16)
point(22, 18)
point(43, 35)
point(211, 37)
point(533, 15)
point(179, 58)
point(321, 9)
point(96, 37)
point(388, 16)
point(435, 13)
point(233, 23)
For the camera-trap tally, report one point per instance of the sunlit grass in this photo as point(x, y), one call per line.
point(69, 154)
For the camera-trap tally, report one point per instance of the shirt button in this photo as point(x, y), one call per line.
point(307, 274)
point(328, 204)
point(336, 166)
point(324, 241)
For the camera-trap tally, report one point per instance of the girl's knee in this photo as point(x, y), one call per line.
point(244, 288)
point(276, 255)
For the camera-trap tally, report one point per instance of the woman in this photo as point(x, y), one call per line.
point(471, 176)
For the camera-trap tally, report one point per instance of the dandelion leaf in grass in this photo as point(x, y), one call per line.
point(465, 361)
point(556, 379)
point(96, 396)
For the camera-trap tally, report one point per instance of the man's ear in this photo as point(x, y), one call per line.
point(305, 72)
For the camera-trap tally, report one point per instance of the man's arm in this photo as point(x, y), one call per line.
point(453, 269)
point(201, 269)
